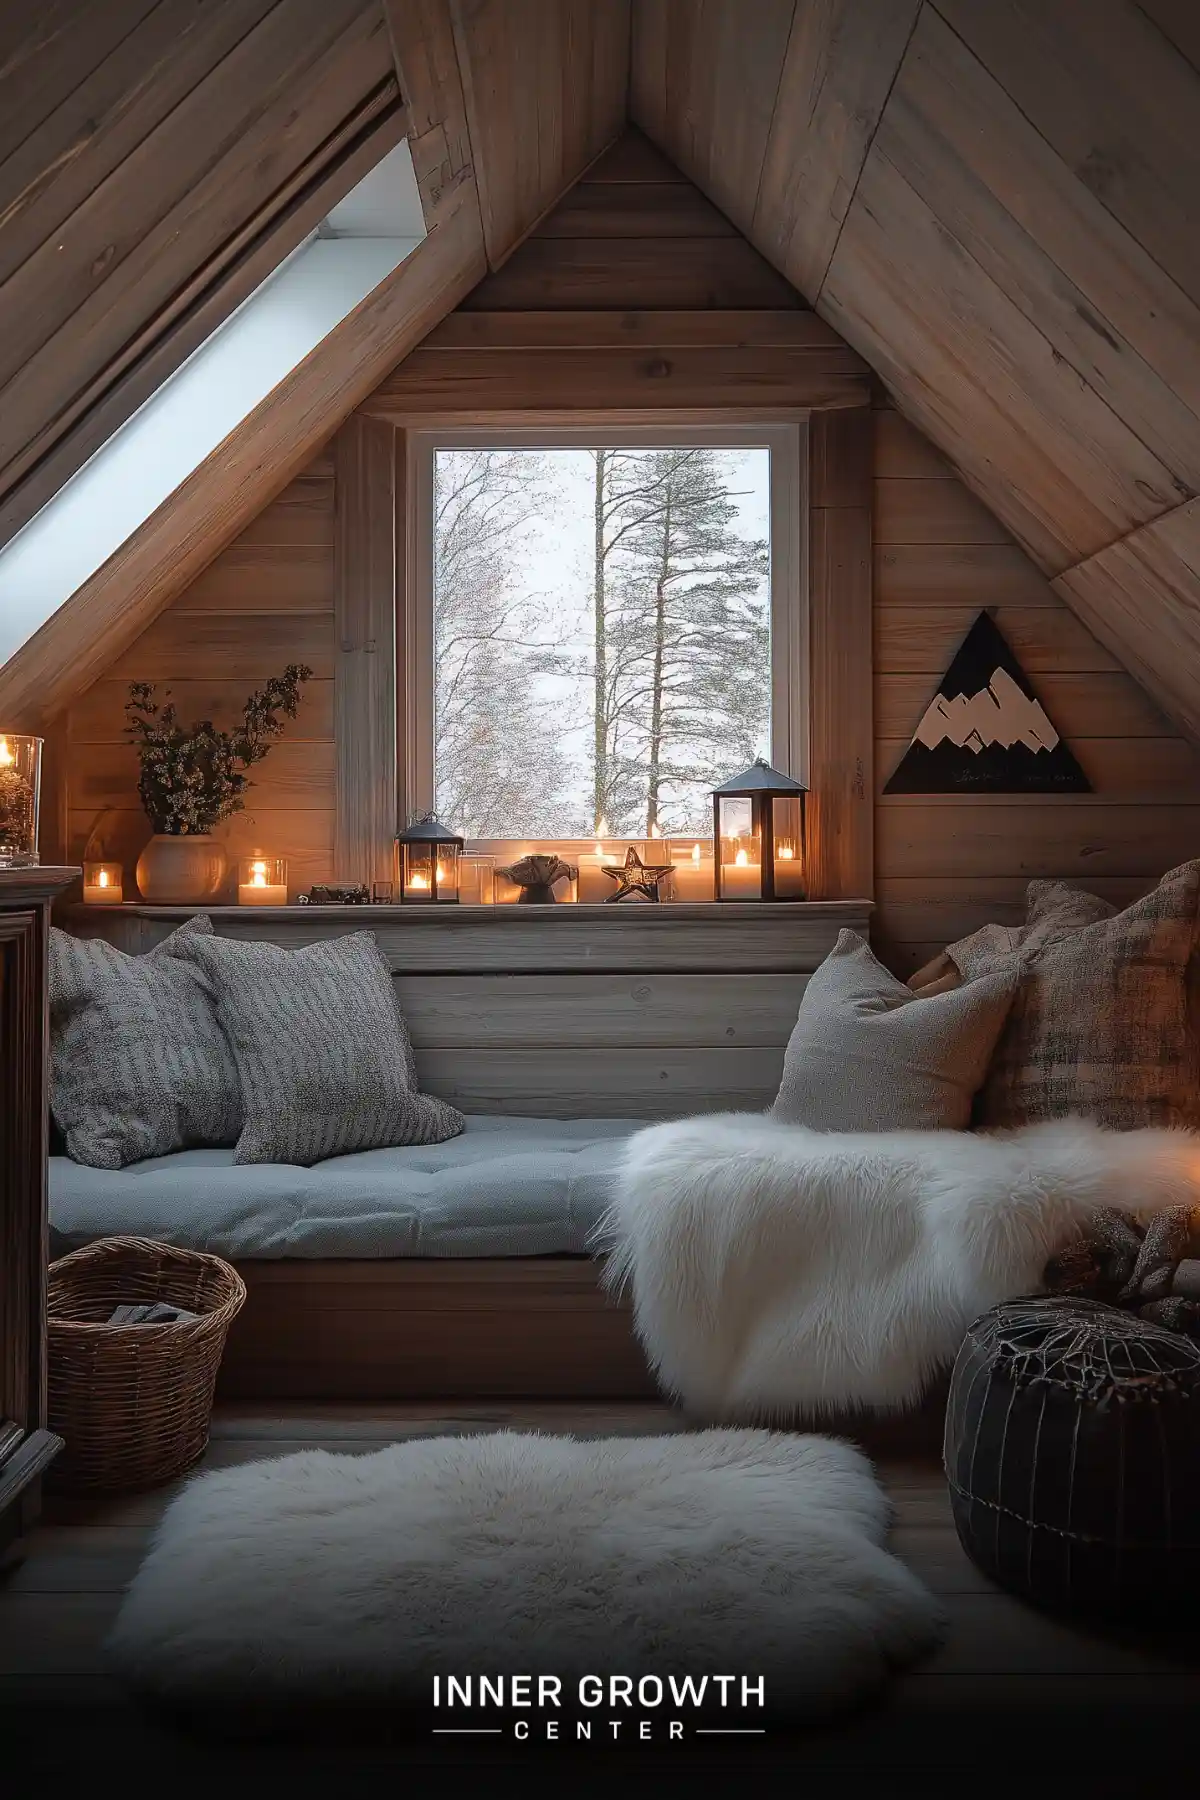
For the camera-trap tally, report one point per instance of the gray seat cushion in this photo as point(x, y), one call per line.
point(505, 1187)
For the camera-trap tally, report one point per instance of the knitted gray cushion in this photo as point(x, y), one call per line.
point(867, 1054)
point(139, 1064)
point(322, 1051)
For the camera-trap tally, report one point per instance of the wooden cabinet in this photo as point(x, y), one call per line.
point(26, 1448)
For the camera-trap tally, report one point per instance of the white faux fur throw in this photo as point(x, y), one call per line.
point(777, 1270)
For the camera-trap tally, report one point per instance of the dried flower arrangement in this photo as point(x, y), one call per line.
point(191, 780)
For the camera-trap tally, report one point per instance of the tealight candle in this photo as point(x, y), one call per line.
point(103, 883)
point(262, 881)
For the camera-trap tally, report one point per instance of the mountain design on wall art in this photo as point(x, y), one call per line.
point(985, 731)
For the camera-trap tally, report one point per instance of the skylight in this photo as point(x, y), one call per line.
point(363, 238)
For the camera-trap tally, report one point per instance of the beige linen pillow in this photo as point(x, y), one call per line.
point(867, 1054)
point(1102, 1024)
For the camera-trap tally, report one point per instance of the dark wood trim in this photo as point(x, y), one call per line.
point(23, 1241)
point(425, 1329)
point(25, 1446)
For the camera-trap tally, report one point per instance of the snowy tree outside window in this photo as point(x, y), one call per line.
point(601, 635)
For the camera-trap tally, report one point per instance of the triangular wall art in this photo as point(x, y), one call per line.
point(985, 731)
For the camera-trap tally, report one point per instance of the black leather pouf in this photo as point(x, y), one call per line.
point(1072, 1450)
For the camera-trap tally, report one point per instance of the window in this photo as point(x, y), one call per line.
point(357, 245)
point(605, 626)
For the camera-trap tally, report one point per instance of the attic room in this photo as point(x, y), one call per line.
point(599, 886)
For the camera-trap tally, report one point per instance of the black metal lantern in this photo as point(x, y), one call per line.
point(758, 836)
point(428, 863)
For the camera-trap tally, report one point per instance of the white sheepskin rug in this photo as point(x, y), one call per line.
point(317, 1578)
point(778, 1271)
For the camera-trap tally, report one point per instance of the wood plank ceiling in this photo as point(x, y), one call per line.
point(542, 84)
point(994, 201)
point(157, 161)
point(997, 203)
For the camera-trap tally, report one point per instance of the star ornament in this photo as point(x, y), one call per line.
point(637, 878)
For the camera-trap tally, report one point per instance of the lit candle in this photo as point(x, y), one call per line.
point(102, 884)
point(262, 881)
point(789, 870)
point(20, 765)
point(419, 885)
point(592, 886)
point(693, 878)
point(741, 879)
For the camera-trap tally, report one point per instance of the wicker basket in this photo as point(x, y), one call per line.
point(133, 1402)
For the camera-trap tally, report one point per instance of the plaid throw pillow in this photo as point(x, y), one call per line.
point(1102, 1024)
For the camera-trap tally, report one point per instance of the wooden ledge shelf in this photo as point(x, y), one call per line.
point(715, 939)
point(509, 912)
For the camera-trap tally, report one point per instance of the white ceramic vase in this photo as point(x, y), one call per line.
point(181, 871)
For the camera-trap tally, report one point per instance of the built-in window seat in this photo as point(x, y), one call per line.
point(463, 1266)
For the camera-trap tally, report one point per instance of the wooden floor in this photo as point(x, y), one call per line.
point(1102, 1702)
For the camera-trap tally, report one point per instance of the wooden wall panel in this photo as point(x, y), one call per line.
point(994, 202)
point(944, 865)
point(595, 251)
point(265, 602)
point(545, 85)
point(364, 607)
point(841, 747)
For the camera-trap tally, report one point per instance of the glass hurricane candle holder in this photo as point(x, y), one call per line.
point(103, 883)
point(692, 881)
point(477, 880)
point(262, 881)
point(20, 793)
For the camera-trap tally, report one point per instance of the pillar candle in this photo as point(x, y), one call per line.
point(593, 887)
point(789, 872)
point(692, 881)
point(741, 879)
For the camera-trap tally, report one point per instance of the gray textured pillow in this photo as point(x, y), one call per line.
point(139, 1065)
point(322, 1052)
point(867, 1054)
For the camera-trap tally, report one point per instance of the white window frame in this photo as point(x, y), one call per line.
point(787, 442)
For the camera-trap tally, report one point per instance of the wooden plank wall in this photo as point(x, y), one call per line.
point(636, 296)
point(943, 865)
point(995, 202)
point(157, 161)
point(266, 601)
point(591, 277)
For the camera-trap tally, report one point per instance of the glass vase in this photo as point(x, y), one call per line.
point(20, 795)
